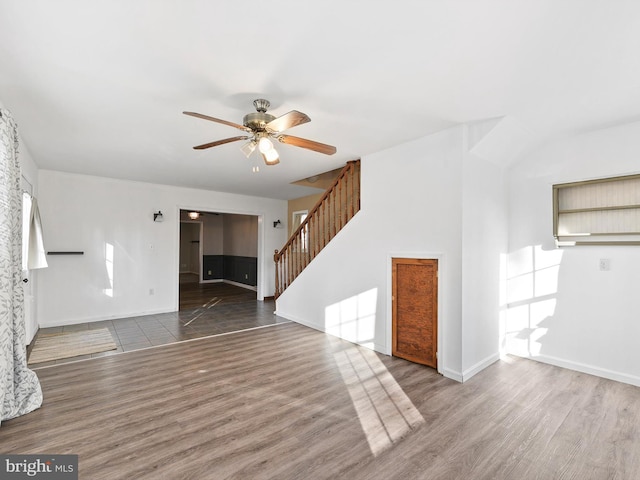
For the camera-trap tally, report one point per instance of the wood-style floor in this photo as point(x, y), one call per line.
point(194, 295)
point(287, 402)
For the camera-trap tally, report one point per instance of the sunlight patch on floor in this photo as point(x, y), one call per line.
point(385, 412)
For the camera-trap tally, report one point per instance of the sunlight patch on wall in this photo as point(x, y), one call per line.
point(533, 272)
point(108, 263)
point(354, 318)
point(532, 285)
point(385, 412)
point(526, 326)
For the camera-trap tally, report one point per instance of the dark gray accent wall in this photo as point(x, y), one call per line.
point(241, 269)
point(212, 267)
point(231, 267)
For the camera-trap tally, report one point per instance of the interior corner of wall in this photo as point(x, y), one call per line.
point(479, 366)
point(500, 141)
point(479, 129)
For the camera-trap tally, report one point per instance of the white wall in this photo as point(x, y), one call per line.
point(91, 214)
point(484, 248)
point(411, 206)
point(428, 198)
point(562, 309)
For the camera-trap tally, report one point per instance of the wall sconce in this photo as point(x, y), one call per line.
point(277, 223)
point(158, 217)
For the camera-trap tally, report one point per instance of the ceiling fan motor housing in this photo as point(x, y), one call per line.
point(257, 121)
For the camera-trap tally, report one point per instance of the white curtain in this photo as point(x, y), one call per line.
point(20, 390)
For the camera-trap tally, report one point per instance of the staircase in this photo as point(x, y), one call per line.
point(337, 206)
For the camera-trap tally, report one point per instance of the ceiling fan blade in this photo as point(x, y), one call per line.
point(217, 120)
point(288, 120)
point(309, 144)
point(221, 142)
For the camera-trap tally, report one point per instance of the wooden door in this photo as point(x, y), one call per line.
point(415, 310)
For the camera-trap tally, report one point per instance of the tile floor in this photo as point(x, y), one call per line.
point(150, 330)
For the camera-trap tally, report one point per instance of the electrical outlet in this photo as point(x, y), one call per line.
point(246, 276)
point(605, 264)
point(208, 272)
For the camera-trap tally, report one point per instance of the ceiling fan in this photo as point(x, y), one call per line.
point(261, 127)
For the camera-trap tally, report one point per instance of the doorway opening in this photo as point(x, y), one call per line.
point(190, 264)
point(218, 259)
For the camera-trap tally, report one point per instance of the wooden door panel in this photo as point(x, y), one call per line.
point(415, 310)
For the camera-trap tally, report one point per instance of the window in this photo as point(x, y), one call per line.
point(296, 220)
point(26, 226)
point(597, 212)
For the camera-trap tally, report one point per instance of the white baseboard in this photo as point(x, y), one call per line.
point(481, 365)
point(301, 321)
point(452, 374)
point(585, 368)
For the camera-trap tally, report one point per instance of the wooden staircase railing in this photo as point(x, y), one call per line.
point(337, 206)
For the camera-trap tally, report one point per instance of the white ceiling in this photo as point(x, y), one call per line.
point(98, 86)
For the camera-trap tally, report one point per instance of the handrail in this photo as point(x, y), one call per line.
point(339, 203)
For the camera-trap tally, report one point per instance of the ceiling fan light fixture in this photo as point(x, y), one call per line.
point(248, 148)
point(265, 145)
point(271, 157)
